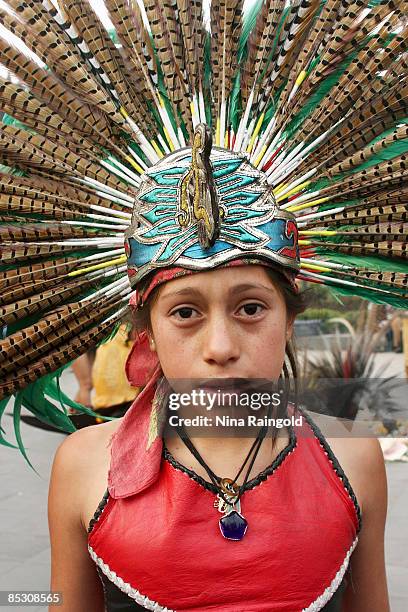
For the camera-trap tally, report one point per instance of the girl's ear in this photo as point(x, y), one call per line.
point(152, 343)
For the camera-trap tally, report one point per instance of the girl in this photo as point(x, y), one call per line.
point(307, 179)
point(315, 508)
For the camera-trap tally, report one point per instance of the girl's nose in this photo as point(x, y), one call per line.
point(221, 342)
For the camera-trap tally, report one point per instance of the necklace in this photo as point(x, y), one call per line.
point(233, 525)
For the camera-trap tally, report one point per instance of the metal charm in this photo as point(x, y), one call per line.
point(198, 196)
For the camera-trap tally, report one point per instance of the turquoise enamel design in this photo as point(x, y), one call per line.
point(250, 221)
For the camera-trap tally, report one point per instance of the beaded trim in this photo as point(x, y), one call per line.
point(251, 484)
point(328, 593)
point(98, 511)
point(125, 587)
point(335, 463)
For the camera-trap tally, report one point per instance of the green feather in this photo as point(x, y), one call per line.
point(114, 36)
point(314, 100)
point(394, 150)
point(374, 3)
point(249, 21)
point(235, 103)
point(375, 263)
point(207, 77)
point(373, 296)
point(17, 421)
point(3, 405)
point(330, 205)
point(14, 171)
point(34, 398)
point(9, 120)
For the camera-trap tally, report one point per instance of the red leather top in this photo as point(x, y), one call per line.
point(163, 546)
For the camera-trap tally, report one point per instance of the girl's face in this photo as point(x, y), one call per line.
point(225, 323)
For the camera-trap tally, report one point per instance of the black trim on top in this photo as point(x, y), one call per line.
point(99, 510)
point(251, 483)
point(336, 465)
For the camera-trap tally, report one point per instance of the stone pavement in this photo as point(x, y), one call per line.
point(24, 551)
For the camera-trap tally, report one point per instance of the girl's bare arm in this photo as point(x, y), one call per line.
point(367, 588)
point(73, 573)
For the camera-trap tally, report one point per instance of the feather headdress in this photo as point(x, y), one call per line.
point(310, 95)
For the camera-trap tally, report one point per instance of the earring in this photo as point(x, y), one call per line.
point(152, 345)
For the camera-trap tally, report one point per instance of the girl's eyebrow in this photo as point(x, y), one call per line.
point(246, 286)
point(185, 291)
point(193, 291)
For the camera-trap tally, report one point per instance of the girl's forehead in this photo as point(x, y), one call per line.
point(220, 279)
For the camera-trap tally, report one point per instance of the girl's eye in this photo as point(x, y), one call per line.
point(252, 308)
point(183, 313)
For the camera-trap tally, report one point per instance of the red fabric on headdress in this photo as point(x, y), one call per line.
point(141, 362)
point(134, 463)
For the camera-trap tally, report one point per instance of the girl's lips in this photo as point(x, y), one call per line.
point(226, 384)
point(224, 388)
point(222, 391)
point(234, 385)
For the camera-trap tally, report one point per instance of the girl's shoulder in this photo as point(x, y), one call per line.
point(82, 464)
point(91, 442)
point(363, 463)
point(358, 453)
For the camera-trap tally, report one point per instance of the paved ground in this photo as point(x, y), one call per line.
point(24, 551)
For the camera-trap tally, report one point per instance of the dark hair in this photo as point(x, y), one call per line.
point(295, 304)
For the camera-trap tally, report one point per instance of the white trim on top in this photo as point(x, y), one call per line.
point(125, 587)
point(328, 593)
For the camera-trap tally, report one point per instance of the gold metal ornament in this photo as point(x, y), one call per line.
point(198, 196)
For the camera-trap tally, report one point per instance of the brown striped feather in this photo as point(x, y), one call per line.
point(55, 359)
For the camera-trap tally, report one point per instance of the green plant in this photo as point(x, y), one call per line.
point(342, 381)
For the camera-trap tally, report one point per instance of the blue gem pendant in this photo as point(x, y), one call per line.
point(233, 525)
